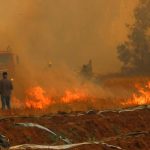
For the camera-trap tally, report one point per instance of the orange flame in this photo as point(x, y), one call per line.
point(72, 96)
point(142, 98)
point(36, 98)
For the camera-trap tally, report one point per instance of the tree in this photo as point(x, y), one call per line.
point(135, 52)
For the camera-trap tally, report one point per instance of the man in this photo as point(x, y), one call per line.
point(5, 90)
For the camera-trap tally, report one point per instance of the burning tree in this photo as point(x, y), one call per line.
point(135, 52)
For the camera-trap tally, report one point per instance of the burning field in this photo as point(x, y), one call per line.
point(113, 93)
point(81, 118)
point(58, 101)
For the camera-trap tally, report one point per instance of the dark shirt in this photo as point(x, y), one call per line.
point(5, 87)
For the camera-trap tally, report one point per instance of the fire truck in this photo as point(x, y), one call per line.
point(8, 60)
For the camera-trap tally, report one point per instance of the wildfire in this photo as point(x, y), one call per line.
point(36, 98)
point(75, 95)
point(143, 96)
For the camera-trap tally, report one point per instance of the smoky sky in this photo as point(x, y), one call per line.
point(66, 32)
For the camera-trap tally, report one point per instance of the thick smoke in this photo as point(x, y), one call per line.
point(66, 34)
point(135, 52)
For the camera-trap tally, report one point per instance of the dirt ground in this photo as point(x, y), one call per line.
point(127, 129)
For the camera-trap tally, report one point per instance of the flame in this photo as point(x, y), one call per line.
point(36, 98)
point(72, 96)
point(142, 98)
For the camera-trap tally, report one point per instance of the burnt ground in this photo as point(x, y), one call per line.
point(127, 129)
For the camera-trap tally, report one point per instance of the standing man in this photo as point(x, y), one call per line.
point(5, 90)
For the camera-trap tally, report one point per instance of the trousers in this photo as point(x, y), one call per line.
point(5, 102)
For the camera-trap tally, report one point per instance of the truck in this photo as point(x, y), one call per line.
point(8, 61)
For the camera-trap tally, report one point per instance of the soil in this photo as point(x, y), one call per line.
point(114, 128)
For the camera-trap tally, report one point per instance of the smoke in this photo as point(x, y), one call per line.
point(66, 33)
point(69, 32)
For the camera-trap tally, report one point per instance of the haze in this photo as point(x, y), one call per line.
point(66, 32)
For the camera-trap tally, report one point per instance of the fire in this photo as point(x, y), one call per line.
point(36, 98)
point(143, 96)
point(72, 96)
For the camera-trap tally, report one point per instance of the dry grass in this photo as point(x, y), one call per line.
point(121, 88)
